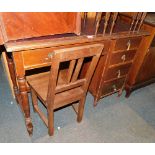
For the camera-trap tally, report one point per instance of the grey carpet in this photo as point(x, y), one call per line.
point(12, 128)
point(115, 119)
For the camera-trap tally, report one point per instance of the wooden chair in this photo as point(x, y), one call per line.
point(58, 88)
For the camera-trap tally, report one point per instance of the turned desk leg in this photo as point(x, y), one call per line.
point(25, 103)
point(23, 90)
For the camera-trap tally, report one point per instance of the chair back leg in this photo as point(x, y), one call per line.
point(81, 109)
point(34, 99)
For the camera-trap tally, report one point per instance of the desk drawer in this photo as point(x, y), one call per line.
point(40, 57)
point(121, 57)
point(111, 87)
point(36, 58)
point(127, 43)
point(117, 72)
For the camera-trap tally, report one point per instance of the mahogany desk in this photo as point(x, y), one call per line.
point(29, 48)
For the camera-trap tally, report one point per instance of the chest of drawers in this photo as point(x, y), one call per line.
point(110, 75)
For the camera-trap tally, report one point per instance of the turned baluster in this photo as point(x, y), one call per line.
point(142, 19)
point(137, 20)
point(113, 21)
point(98, 19)
point(133, 20)
point(107, 17)
point(84, 18)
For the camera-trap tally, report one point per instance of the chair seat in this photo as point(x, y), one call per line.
point(39, 82)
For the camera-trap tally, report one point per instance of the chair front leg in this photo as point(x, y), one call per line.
point(50, 122)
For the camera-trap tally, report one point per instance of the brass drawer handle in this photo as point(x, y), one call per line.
point(118, 73)
point(123, 57)
point(128, 45)
point(114, 87)
point(46, 59)
point(50, 55)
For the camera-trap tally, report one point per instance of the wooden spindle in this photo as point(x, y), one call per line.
point(133, 20)
point(137, 20)
point(98, 19)
point(142, 19)
point(113, 21)
point(107, 17)
point(84, 18)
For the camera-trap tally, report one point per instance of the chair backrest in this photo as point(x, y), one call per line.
point(75, 56)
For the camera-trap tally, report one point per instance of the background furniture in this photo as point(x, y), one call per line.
point(145, 75)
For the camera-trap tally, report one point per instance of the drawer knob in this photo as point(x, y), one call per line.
point(128, 45)
point(46, 59)
point(123, 57)
point(118, 73)
point(50, 55)
point(114, 87)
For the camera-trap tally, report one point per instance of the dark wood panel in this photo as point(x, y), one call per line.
point(98, 73)
point(147, 70)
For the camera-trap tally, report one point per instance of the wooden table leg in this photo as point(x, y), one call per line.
point(12, 74)
point(22, 98)
point(24, 101)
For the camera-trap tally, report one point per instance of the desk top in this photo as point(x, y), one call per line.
point(15, 26)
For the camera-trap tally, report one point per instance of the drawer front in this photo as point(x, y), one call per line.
point(127, 43)
point(39, 57)
point(117, 72)
point(121, 57)
point(36, 58)
point(112, 86)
